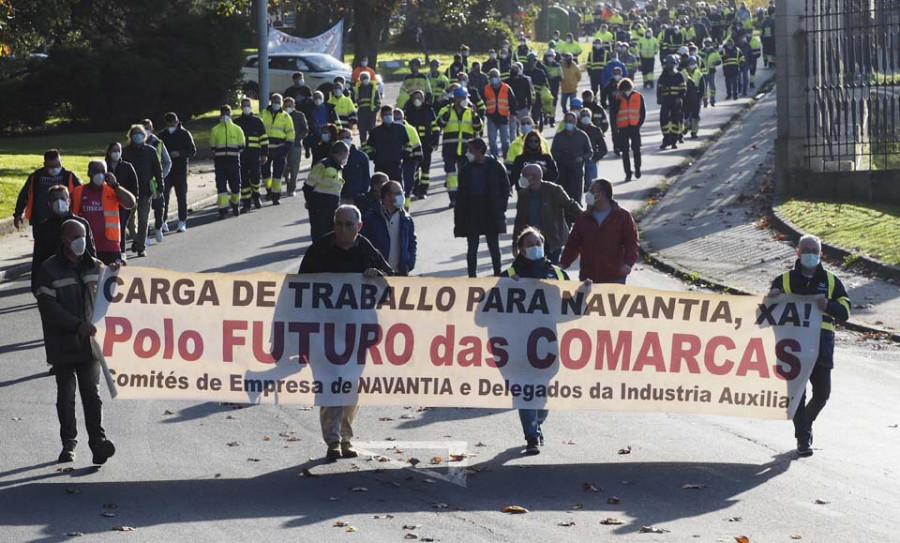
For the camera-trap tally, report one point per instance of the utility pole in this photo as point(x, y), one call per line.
point(263, 54)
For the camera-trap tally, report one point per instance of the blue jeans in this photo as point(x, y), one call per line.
point(567, 97)
point(532, 419)
point(590, 173)
point(731, 84)
point(745, 79)
point(493, 128)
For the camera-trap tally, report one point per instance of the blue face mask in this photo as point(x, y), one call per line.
point(570, 127)
point(535, 252)
point(526, 128)
point(138, 138)
point(495, 81)
point(387, 119)
point(809, 260)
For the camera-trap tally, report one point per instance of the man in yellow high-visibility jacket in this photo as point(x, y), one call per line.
point(280, 130)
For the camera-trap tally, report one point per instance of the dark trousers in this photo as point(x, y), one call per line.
point(177, 181)
point(250, 174)
point(409, 176)
point(732, 85)
point(86, 377)
point(159, 209)
point(806, 414)
point(228, 176)
point(571, 179)
point(596, 84)
point(124, 217)
point(108, 257)
point(493, 243)
point(393, 170)
point(630, 136)
point(321, 214)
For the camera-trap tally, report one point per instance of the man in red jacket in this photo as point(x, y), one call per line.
point(605, 236)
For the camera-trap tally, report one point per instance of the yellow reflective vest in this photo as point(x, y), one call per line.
point(325, 178)
point(226, 140)
point(279, 128)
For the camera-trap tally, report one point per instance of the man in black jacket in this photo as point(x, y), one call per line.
point(67, 284)
point(32, 201)
point(343, 250)
point(149, 171)
point(47, 233)
point(808, 277)
point(180, 143)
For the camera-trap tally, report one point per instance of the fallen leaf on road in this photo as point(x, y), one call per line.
point(306, 473)
point(232, 443)
point(692, 486)
point(626, 450)
point(108, 515)
point(123, 528)
point(74, 534)
point(566, 524)
point(230, 417)
point(351, 528)
point(892, 426)
point(410, 535)
point(406, 416)
point(589, 487)
point(742, 539)
point(340, 524)
point(735, 519)
point(305, 408)
point(578, 506)
point(796, 537)
point(441, 506)
point(611, 521)
point(570, 442)
point(293, 439)
point(458, 457)
point(253, 460)
point(437, 460)
point(73, 491)
point(381, 458)
point(385, 419)
point(167, 412)
point(480, 444)
point(614, 500)
point(429, 481)
point(380, 517)
point(652, 530)
point(359, 489)
point(16, 419)
point(266, 438)
point(514, 509)
point(65, 470)
point(411, 526)
point(390, 439)
point(414, 462)
point(821, 502)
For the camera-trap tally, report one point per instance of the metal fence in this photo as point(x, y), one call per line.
point(853, 84)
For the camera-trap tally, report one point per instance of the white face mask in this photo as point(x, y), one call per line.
point(78, 245)
point(318, 101)
point(628, 93)
point(54, 171)
point(364, 63)
point(470, 156)
point(808, 260)
point(338, 92)
point(523, 182)
point(399, 200)
point(247, 110)
point(326, 137)
point(115, 156)
point(463, 84)
point(417, 102)
point(589, 199)
point(289, 110)
point(98, 178)
point(585, 120)
point(226, 118)
point(535, 252)
point(171, 129)
point(365, 82)
point(348, 142)
point(60, 207)
point(276, 107)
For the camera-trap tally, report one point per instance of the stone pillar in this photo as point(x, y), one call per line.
point(791, 84)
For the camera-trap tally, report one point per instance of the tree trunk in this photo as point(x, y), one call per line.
point(367, 28)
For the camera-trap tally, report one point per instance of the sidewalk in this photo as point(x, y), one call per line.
point(710, 226)
point(16, 248)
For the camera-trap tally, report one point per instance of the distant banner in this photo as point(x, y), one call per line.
point(338, 339)
point(330, 43)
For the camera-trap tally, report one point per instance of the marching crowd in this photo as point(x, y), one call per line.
point(486, 119)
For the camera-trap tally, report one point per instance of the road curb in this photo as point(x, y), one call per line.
point(832, 251)
point(18, 270)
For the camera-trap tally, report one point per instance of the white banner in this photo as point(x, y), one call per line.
point(330, 43)
point(338, 339)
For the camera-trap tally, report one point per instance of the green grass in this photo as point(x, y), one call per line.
point(867, 228)
point(20, 156)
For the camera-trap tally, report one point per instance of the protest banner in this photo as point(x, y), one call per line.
point(330, 42)
point(338, 339)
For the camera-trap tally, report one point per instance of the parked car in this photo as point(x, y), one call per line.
point(319, 70)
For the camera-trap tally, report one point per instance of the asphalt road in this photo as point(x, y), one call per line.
point(176, 478)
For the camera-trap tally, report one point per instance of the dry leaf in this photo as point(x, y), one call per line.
point(340, 524)
point(306, 473)
point(333, 499)
point(232, 443)
point(73, 491)
point(74, 534)
point(437, 460)
point(441, 506)
point(266, 438)
point(570, 442)
point(480, 444)
point(385, 419)
point(821, 502)
point(286, 434)
point(736, 519)
point(230, 417)
point(514, 509)
point(351, 528)
point(611, 521)
point(626, 450)
point(293, 439)
point(429, 481)
point(411, 526)
point(742, 539)
point(614, 500)
point(253, 460)
point(406, 416)
point(123, 528)
point(578, 506)
point(65, 470)
point(359, 489)
point(380, 458)
point(390, 439)
point(108, 515)
point(110, 506)
point(652, 530)
point(410, 535)
point(796, 537)
point(380, 517)
point(458, 457)
point(167, 412)
point(693, 486)
point(566, 524)
point(414, 462)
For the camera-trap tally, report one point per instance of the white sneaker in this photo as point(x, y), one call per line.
point(165, 228)
point(148, 242)
point(182, 227)
point(159, 235)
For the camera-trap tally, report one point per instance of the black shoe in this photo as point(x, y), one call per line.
point(663, 147)
point(713, 103)
point(804, 448)
point(680, 138)
point(223, 213)
point(531, 447)
point(452, 204)
point(627, 177)
point(142, 253)
point(68, 452)
point(103, 451)
point(752, 85)
point(246, 207)
point(637, 173)
point(276, 199)
point(269, 196)
point(256, 202)
point(235, 210)
point(674, 146)
point(693, 135)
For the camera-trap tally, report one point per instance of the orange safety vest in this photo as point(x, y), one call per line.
point(110, 202)
point(494, 103)
point(29, 207)
point(629, 113)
